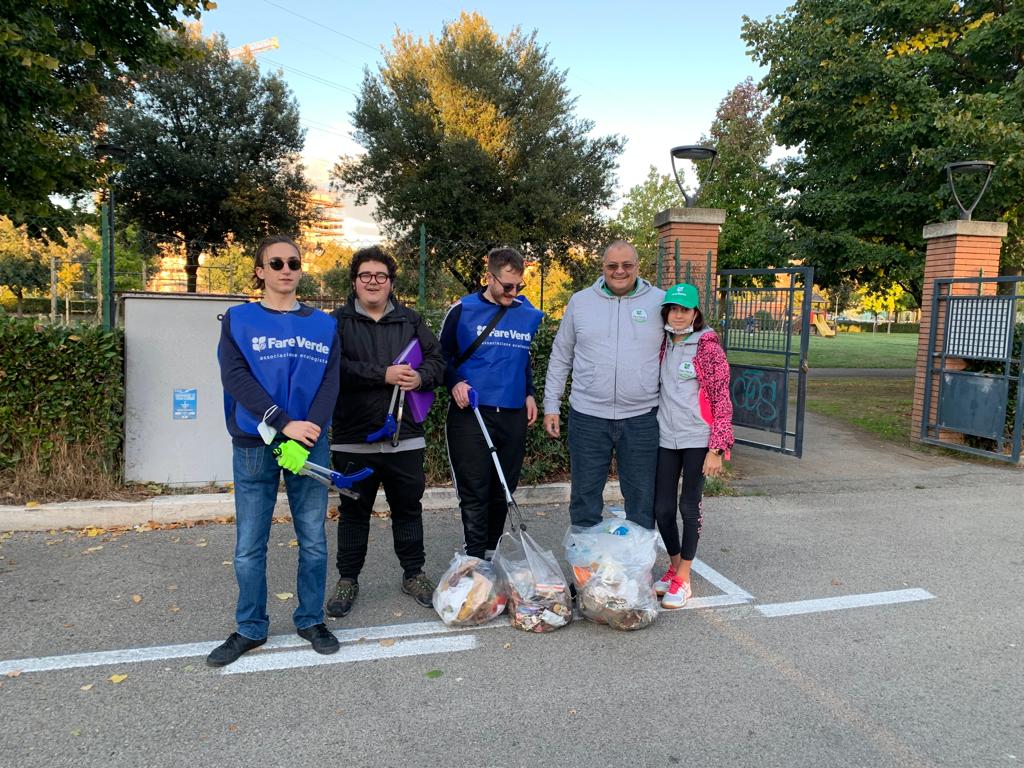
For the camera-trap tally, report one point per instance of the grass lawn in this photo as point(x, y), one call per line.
point(880, 406)
point(844, 350)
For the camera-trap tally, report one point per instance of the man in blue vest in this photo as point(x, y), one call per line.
point(486, 338)
point(279, 366)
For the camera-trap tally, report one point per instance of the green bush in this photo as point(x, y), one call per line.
point(883, 327)
point(61, 387)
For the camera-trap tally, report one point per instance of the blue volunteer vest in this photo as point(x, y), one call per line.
point(287, 354)
point(497, 370)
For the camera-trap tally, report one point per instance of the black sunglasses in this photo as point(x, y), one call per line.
point(509, 288)
point(276, 264)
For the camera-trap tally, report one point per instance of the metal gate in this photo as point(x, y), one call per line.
point(973, 393)
point(764, 319)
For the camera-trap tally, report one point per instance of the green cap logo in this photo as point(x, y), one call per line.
point(683, 294)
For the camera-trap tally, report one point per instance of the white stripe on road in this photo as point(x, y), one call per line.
point(277, 642)
point(714, 601)
point(718, 580)
point(349, 653)
point(773, 610)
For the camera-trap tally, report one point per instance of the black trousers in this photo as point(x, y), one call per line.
point(481, 498)
point(403, 479)
point(672, 462)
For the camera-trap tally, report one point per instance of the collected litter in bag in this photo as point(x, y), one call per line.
point(533, 582)
point(468, 593)
point(611, 565)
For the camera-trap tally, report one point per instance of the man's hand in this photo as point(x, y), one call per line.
point(460, 394)
point(551, 424)
point(306, 432)
point(712, 465)
point(409, 378)
point(531, 411)
point(394, 373)
point(291, 456)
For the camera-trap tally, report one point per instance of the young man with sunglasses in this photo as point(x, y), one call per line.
point(375, 328)
point(486, 339)
point(279, 366)
point(610, 337)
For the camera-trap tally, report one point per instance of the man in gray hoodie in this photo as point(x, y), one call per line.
point(610, 337)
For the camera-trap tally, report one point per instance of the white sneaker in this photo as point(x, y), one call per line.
point(661, 585)
point(677, 595)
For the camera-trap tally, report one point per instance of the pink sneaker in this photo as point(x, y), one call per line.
point(677, 595)
point(661, 585)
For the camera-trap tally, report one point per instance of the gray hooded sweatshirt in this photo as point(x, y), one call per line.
point(611, 344)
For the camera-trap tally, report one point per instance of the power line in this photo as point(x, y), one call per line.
point(311, 76)
point(315, 127)
point(320, 24)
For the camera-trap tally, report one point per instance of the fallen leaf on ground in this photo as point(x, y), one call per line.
point(506, 646)
point(174, 609)
point(293, 543)
point(434, 674)
point(172, 587)
point(387, 642)
point(86, 687)
point(31, 504)
point(115, 679)
point(232, 727)
point(68, 626)
point(572, 711)
point(136, 599)
point(91, 531)
point(836, 583)
point(226, 562)
point(14, 673)
point(397, 614)
point(283, 595)
point(201, 543)
point(97, 548)
point(76, 732)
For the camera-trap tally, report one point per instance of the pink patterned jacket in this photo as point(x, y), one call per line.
point(715, 401)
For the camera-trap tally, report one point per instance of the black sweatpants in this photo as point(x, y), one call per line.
point(481, 498)
point(404, 482)
point(672, 462)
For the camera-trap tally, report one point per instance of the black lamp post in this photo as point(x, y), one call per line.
point(696, 154)
point(115, 153)
point(969, 168)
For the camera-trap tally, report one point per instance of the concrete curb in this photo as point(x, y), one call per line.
point(210, 506)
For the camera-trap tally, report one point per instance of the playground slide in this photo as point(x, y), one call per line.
point(822, 326)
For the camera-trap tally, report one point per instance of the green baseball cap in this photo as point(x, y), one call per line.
point(683, 294)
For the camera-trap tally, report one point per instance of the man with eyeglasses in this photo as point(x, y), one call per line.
point(279, 366)
point(486, 339)
point(375, 328)
point(610, 338)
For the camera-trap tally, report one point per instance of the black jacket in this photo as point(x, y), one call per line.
point(368, 347)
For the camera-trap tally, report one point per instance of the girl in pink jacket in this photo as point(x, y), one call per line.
point(695, 432)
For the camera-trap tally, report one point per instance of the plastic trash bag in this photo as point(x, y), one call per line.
point(533, 581)
point(611, 565)
point(468, 593)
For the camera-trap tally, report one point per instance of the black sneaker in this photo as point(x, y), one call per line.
point(345, 593)
point(421, 588)
point(229, 651)
point(321, 638)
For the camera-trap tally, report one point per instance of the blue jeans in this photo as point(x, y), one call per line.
point(257, 477)
point(592, 441)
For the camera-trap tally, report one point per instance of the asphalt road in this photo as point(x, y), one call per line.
point(933, 682)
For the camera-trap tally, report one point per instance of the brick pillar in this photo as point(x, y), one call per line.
point(696, 232)
point(954, 249)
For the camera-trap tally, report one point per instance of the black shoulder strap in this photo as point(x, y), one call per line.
point(468, 353)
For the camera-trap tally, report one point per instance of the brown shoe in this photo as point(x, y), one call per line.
point(345, 593)
point(421, 588)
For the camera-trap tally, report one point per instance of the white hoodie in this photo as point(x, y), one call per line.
point(611, 344)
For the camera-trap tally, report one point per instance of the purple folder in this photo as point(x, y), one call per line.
point(418, 402)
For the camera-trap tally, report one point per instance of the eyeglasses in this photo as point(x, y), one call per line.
point(508, 288)
point(373, 277)
point(626, 266)
point(276, 264)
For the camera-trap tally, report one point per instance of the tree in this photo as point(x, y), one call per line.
point(476, 136)
point(635, 221)
point(878, 97)
point(21, 265)
point(742, 182)
point(60, 62)
point(884, 300)
point(211, 148)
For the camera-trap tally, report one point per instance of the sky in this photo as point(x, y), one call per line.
point(652, 72)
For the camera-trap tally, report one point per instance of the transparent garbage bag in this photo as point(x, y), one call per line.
point(468, 593)
point(533, 581)
point(611, 566)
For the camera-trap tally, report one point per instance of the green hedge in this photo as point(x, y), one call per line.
point(59, 385)
point(883, 327)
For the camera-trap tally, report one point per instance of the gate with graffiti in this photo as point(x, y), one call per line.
point(764, 318)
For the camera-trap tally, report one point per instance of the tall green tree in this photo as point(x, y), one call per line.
point(476, 136)
point(212, 148)
point(22, 269)
point(877, 97)
point(61, 61)
point(742, 181)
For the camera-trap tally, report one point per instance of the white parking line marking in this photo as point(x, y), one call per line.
point(361, 652)
point(718, 580)
point(774, 610)
point(277, 642)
